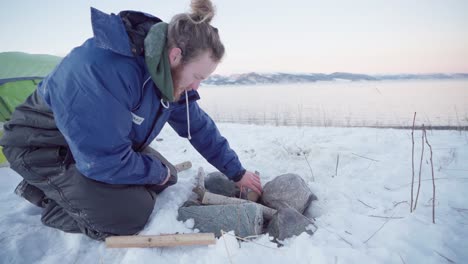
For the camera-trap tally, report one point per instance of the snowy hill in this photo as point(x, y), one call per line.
point(362, 179)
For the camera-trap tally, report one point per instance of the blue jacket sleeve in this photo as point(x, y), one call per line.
point(92, 108)
point(207, 140)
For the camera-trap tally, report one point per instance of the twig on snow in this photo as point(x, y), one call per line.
point(365, 157)
point(402, 260)
point(246, 239)
point(449, 260)
point(396, 204)
point(460, 209)
point(342, 238)
point(386, 217)
point(337, 162)
point(225, 245)
point(311, 172)
point(366, 204)
point(367, 240)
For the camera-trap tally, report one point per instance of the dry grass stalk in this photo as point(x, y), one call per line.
point(412, 163)
point(433, 179)
point(337, 163)
point(420, 168)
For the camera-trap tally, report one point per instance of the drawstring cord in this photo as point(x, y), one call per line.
point(188, 116)
point(166, 105)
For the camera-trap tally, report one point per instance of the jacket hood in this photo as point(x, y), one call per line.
point(123, 33)
point(133, 33)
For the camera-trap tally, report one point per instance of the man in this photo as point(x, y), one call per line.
point(80, 141)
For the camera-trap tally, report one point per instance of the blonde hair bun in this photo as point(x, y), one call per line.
point(202, 11)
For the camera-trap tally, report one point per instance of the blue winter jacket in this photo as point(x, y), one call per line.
point(108, 109)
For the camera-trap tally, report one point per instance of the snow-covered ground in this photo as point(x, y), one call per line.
point(362, 213)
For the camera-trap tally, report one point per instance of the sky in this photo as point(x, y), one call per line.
point(297, 36)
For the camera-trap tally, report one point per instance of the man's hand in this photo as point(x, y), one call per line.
point(252, 181)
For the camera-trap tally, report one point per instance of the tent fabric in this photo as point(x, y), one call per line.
point(18, 78)
point(14, 91)
point(3, 160)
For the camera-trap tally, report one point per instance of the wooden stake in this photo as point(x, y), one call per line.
point(160, 240)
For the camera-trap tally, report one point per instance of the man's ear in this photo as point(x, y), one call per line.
point(175, 57)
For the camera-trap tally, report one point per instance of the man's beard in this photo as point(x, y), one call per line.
point(176, 77)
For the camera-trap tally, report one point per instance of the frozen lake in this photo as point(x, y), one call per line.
point(341, 103)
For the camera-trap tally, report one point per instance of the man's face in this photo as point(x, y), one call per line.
point(188, 76)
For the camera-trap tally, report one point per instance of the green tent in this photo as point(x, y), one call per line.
point(18, 78)
point(13, 92)
point(2, 157)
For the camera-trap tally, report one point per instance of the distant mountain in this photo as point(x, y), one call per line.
point(271, 78)
point(19, 64)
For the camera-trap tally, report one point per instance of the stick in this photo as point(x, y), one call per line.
point(366, 204)
point(420, 170)
point(225, 246)
point(449, 260)
point(433, 180)
point(402, 260)
point(364, 157)
point(311, 172)
point(216, 199)
point(337, 162)
point(183, 166)
point(386, 217)
point(412, 163)
point(367, 240)
point(160, 240)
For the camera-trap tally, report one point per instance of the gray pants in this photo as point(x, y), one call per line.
point(77, 204)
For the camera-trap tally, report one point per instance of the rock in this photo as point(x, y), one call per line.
point(245, 219)
point(288, 222)
point(218, 183)
point(287, 191)
point(192, 202)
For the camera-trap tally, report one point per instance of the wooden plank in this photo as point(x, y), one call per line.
point(148, 241)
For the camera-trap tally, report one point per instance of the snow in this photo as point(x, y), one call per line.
point(372, 178)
